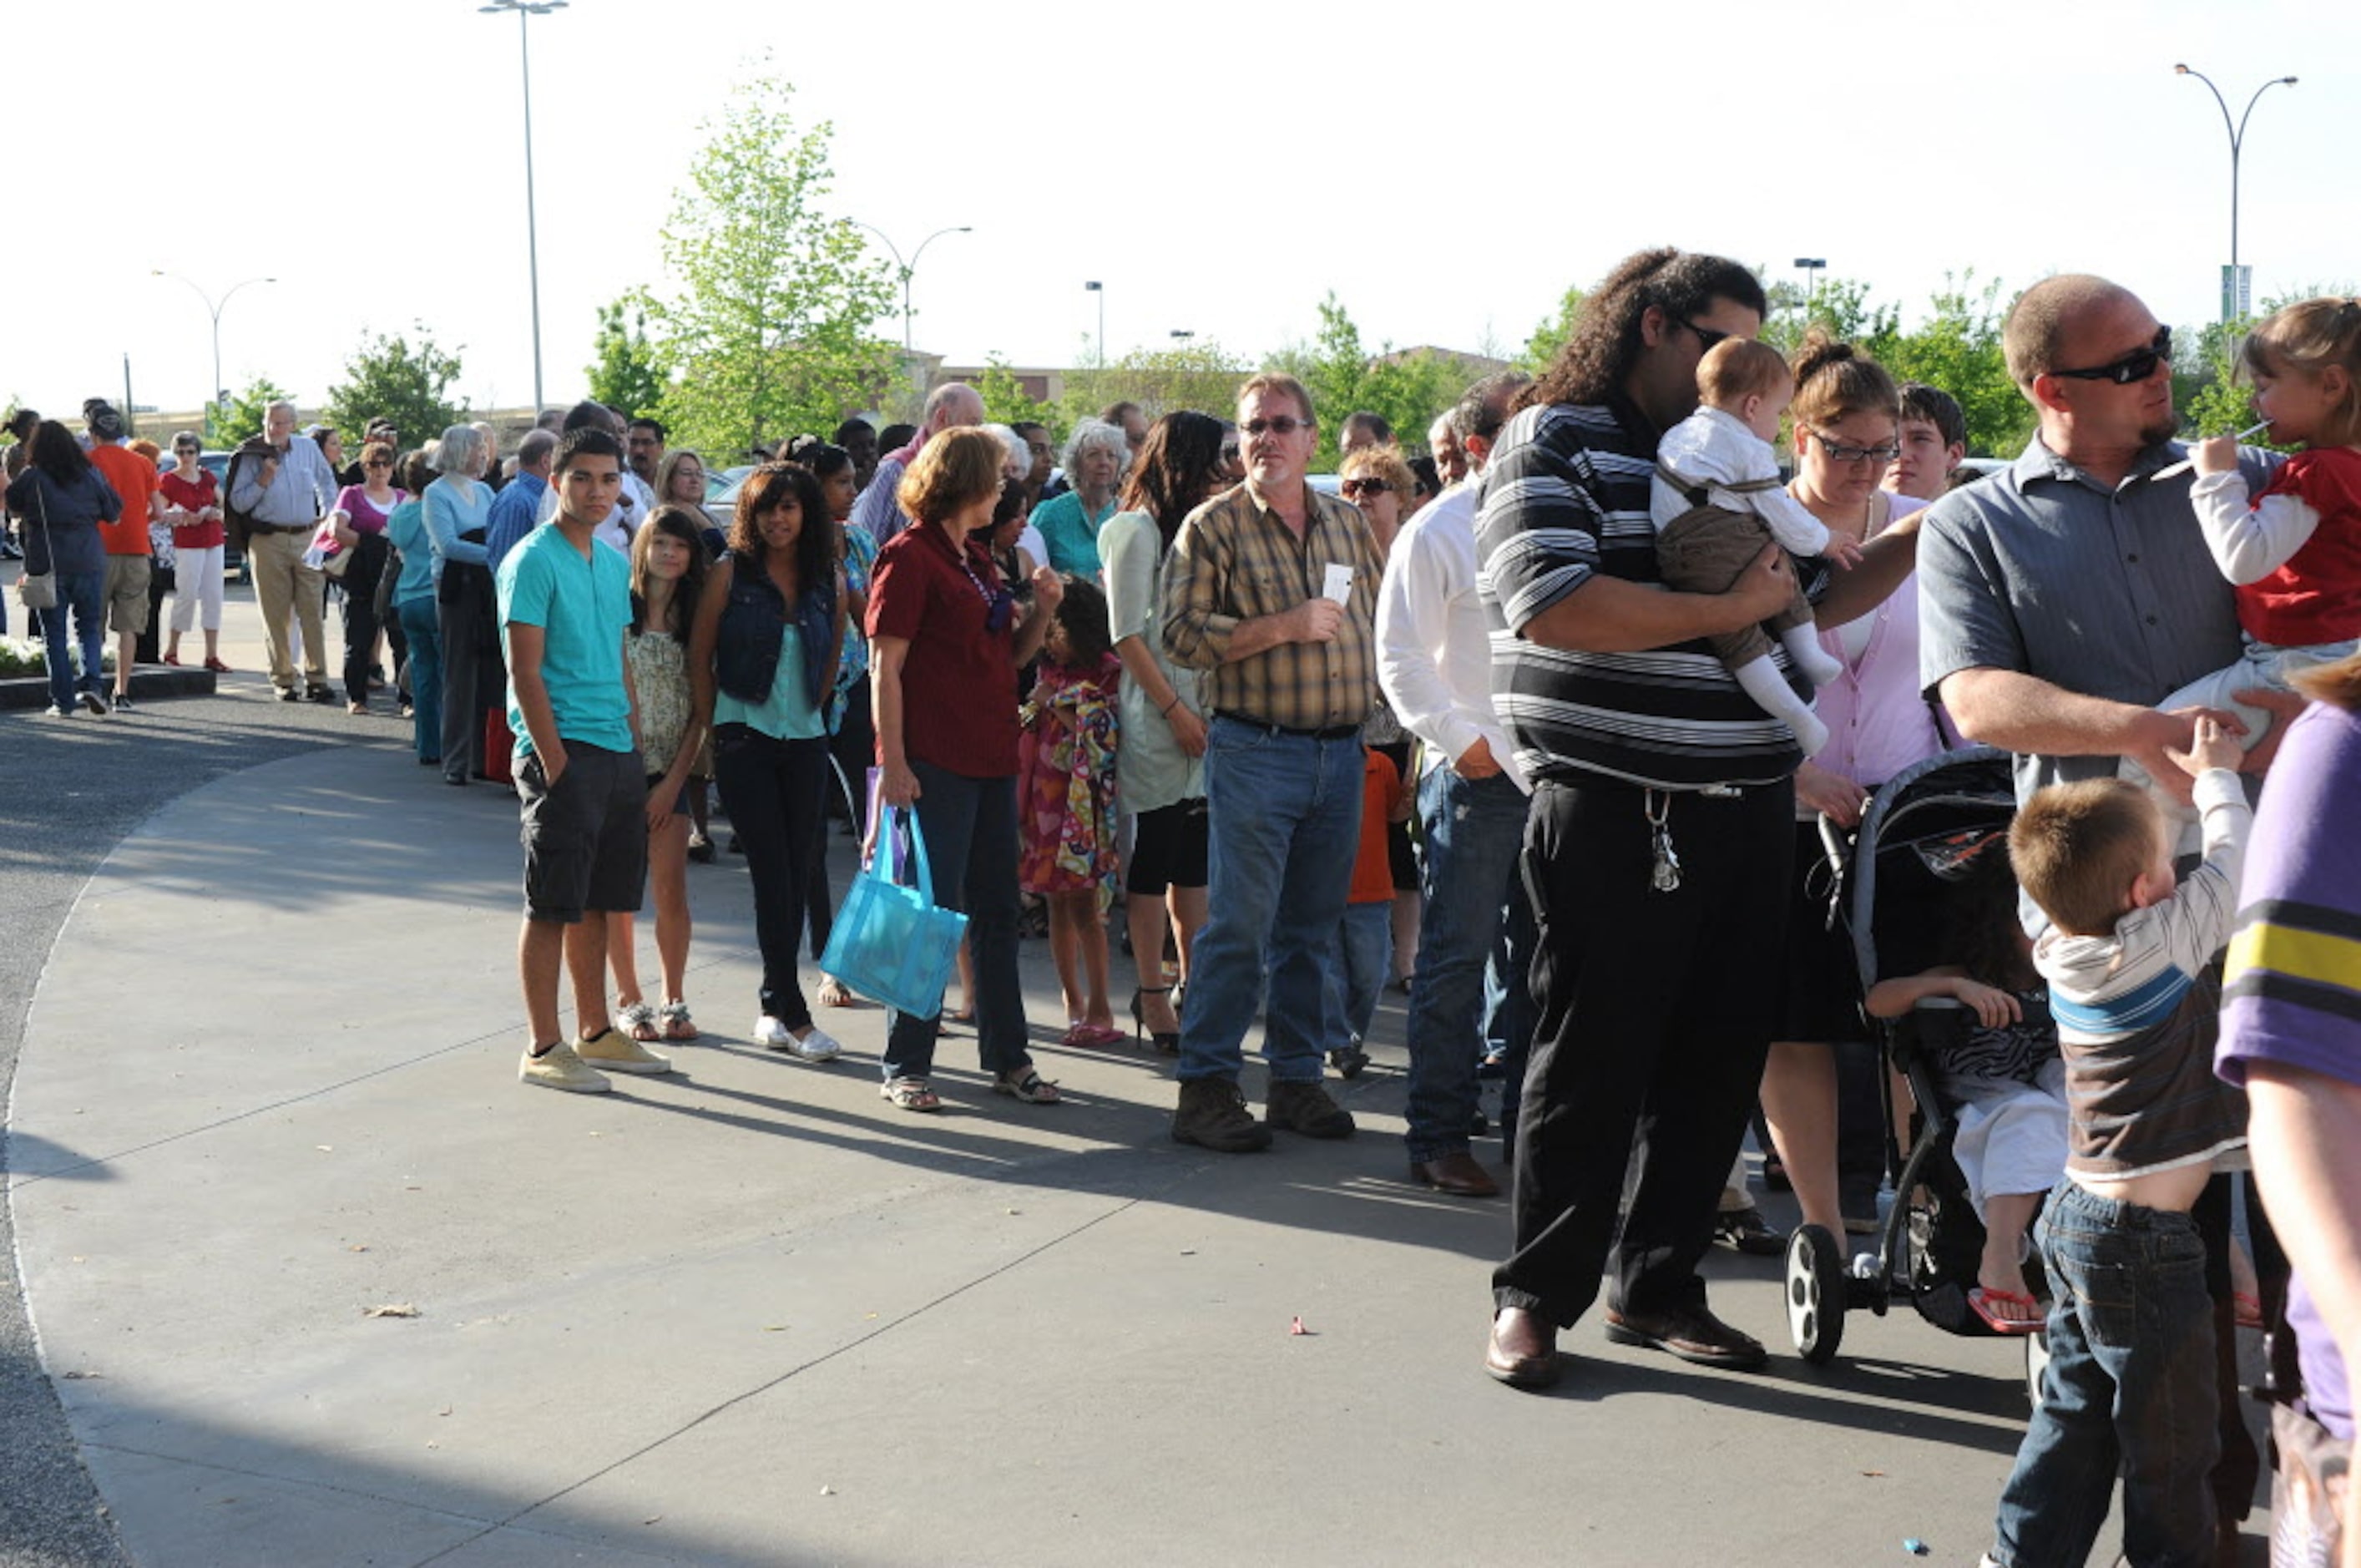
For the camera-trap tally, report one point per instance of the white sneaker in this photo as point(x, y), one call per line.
point(616, 1052)
point(559, 1067)
point(772, 1034)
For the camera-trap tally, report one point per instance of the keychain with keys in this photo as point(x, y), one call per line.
point(1666, 877)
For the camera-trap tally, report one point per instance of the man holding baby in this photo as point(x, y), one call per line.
point(1656, 857)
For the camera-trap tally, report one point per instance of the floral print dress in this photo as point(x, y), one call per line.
point(1066, 782)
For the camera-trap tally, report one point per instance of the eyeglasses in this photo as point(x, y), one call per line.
point(1707, 336)
point(1353, 488)
point(1837, 452)
point(2136, 366)
point(377, 463)
point(1280, 424)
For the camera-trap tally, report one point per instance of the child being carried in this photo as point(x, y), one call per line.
point(1716, 500)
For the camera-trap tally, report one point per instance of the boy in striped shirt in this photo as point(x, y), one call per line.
point(2129, 958)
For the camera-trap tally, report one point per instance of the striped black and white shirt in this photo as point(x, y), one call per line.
point(1566, 496)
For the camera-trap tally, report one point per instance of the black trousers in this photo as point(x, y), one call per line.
point(1655, 1011)
point(773, 791)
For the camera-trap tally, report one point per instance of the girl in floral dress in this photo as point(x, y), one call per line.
point(1066, 804)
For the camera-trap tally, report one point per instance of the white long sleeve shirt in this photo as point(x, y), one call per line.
point(1435, 643)
point(1714, 449)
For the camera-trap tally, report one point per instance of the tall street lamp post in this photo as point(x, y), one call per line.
point(526, 9)
point(1811, 267)
point(213, 308)
point(2237, 295)
point(910, 267)
point(1100, 290)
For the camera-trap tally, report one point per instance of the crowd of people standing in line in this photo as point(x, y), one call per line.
point(1620, 676)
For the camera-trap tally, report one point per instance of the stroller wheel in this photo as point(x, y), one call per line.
point(1816, 1293)
point(2037, 1362)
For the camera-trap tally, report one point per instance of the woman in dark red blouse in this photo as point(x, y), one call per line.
point(946, 638)
point(194, 502)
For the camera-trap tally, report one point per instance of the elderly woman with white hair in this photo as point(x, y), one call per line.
point(458, 507)
point(1096, 455)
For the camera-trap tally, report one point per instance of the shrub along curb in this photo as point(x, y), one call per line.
point(147, 684)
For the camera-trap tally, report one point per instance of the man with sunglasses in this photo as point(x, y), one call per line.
point(1248, 593)
point(2062, 598)
point(1656, 855)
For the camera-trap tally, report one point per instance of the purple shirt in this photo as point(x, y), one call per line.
point(2292, 992)
point(361, 513)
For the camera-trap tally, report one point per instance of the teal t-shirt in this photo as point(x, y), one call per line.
point(788, 714)
point(583, 608)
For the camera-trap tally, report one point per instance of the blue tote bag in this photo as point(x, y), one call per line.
point(893, 942)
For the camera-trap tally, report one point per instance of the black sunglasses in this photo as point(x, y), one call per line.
point(1707, 337)
point(2136, 366)
point(1352, 487)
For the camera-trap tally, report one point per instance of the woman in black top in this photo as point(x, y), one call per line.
point(63, 500)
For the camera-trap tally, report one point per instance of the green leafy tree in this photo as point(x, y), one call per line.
point(391, 378)
point(1406, 388)
point(1199, 374)
point(1958, 348)
point(1551, 336)
point(625, 370)
point(768, 321)
point(229, 423)
point(1005, 400)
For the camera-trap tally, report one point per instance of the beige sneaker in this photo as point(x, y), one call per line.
point(617, 1052)
point(559, 1067)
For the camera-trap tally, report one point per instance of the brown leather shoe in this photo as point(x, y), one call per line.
point(1459, 1175)
point(1522, 1350)
point(1693, 1333)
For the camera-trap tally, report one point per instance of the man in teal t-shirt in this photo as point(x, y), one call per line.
point(566, 607)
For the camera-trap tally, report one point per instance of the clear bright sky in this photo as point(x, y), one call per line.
point(1447, 170)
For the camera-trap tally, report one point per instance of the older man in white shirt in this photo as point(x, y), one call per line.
point(1434, 661)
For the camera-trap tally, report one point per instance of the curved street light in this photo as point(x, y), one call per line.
point(213, 308)
point(524, 9)
point(2232, 293)
point(910, 267)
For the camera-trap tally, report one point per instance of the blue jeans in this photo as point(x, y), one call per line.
point(970, 828)
point(1283, 826)
point(2129, 1389)
point(424, 628)
point(1473, 830)
point(78, 594)
point(1364, 951)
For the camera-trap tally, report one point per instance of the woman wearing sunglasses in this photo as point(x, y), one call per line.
point(359, 517)
point(1377, 480)
point(762, 659)
point(1847, 424)
point(192, 500)
point(945, 640)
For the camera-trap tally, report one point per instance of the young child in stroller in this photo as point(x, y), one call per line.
point(2003, 1072)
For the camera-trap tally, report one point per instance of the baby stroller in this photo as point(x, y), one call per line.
point(1893, 885)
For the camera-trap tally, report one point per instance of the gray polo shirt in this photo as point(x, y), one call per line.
point(2107, 592)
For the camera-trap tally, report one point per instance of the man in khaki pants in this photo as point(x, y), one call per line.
point(284, 487)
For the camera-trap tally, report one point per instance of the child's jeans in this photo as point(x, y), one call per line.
point(1365, 940)
point(2129, 1389)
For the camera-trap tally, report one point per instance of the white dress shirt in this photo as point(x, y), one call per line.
point(1435, 644)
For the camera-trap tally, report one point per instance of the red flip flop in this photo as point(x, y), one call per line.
point(1982, 1301)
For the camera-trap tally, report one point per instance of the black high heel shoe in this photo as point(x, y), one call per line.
point(1168, 1042)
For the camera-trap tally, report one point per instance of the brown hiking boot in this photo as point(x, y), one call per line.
point(1212, 1114)
point(1305, 1108)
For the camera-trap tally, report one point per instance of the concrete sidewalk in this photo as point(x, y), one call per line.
point(748, 1313)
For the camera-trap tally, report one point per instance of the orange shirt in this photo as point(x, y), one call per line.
point(1381, 801)
point(135, 481)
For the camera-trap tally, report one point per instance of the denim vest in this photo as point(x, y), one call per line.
point(746, 651)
